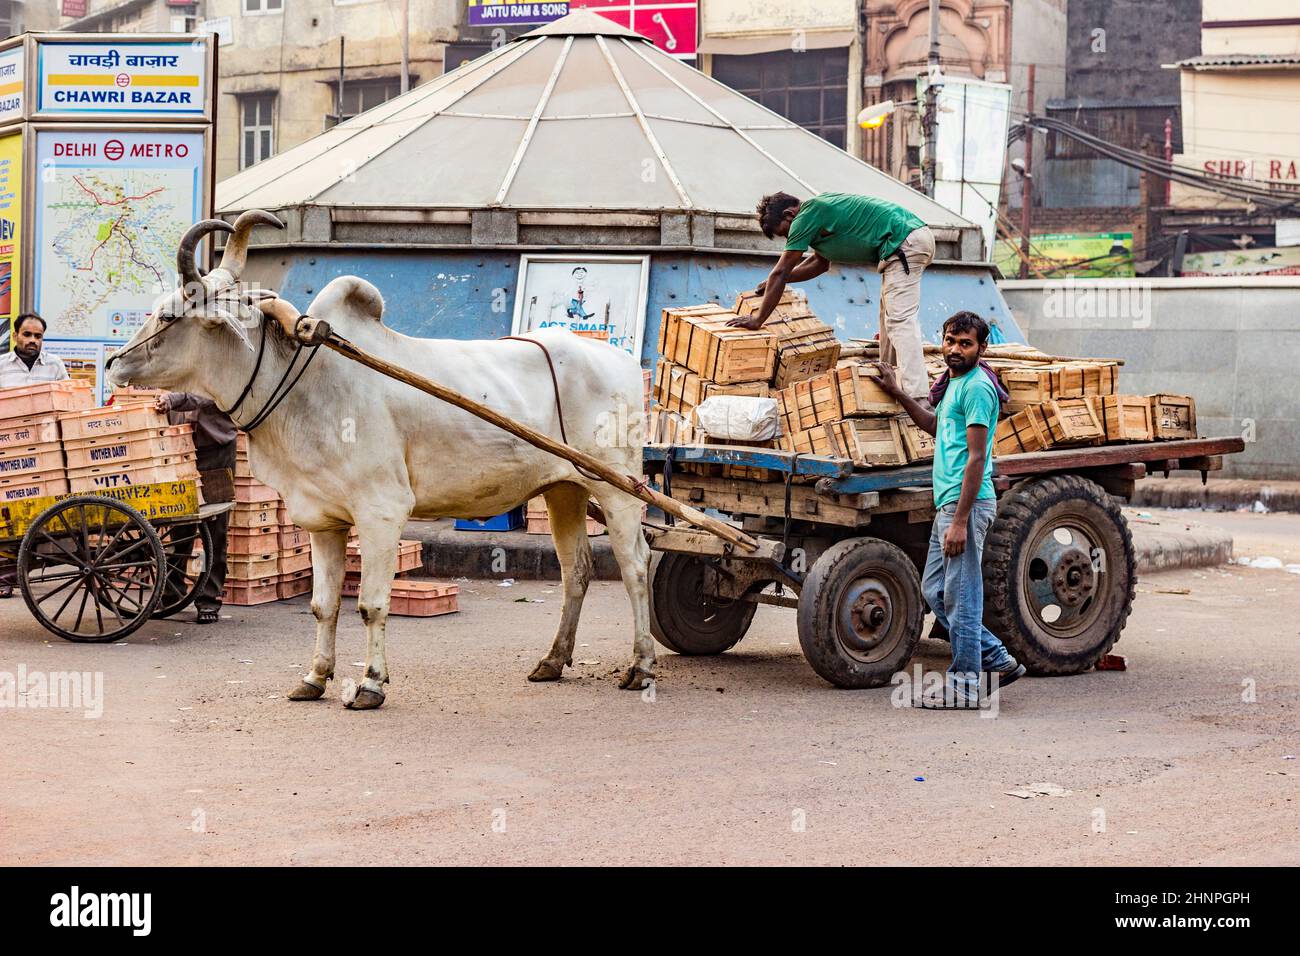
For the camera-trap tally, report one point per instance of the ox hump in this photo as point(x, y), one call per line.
point(351, 297)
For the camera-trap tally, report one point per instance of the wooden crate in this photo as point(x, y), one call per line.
point(1123, 417)
point(31, 430)
point(124, 474)
point(871, 442)
point(815, 401)
point(110, 420)
point(37, 485)
point(247, 593)
point(791, 305)
point(1029, 386)
point(805, 347)
point(1024, 431)
point(860, 392)
point(31, 459)
point(918, 444)
point(138, 446)
point(1071, 421)
point(670, 428)
point(818, 440)
point(678, 389)
point(1080, 379)
point(1172, 416)
point(704, 343)
point(24, 401)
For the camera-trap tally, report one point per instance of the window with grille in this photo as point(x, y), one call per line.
point(361, 95)
point(809, 88)
point(257, 139)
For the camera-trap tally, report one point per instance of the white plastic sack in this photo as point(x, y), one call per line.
point(738, 417)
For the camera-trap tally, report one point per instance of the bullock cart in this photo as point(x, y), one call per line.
point(94, 567)
point(845, 548)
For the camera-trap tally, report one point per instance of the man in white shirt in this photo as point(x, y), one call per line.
point(27, 363)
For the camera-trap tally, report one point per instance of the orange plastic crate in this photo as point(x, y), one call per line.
point(293, 560)
point(31, 459)
point(27, 400)
point(263, 540)
point(252, 491)
point(141, 446)
point(32, 430)
point(39, 485)
point(293, 537)
point(423, 598)
point(246, 593)
point(408, 556)
point(158, 471)
point(110, 420)
point(294, 584)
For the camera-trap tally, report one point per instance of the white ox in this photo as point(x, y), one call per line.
point(351, 448)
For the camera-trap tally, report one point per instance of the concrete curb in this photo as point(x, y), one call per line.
point(448, 553)
point(1218, 494)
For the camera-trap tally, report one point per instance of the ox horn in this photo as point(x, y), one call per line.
point(185, 264)
point(236, 254)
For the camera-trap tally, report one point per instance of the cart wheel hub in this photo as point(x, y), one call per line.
point(1073, 578)
point(870, 614)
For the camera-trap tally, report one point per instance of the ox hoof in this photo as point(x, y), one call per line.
point(306, 691)
point(636, 678)
point(360, 698)
point(546, 670)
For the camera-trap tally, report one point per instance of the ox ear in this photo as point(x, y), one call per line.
point(217, 318)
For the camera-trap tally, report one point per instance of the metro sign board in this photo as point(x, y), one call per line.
point(167, 78)
point(670, 26)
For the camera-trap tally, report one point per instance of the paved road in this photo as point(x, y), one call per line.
point(746, 758)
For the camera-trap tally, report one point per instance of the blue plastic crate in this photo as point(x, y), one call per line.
point(512, 520)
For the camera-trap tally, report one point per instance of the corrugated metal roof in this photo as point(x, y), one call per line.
point(578, 115)
point(1213, 61)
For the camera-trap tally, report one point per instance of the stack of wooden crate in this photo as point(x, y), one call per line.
point(702, 356)
point(31, 450)
point(268, 556)
point(845, 413)
point(1077, 402)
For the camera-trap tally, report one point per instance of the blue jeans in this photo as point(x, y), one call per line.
point(954, 589)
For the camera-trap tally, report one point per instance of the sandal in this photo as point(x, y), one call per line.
point(208, 615)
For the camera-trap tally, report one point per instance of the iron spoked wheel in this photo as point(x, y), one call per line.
point(91, 569)
point(685, 619)
point(1059, 574)
point(189, 565)
point(860, 613)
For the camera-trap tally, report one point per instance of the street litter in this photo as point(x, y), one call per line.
point(1039, 790)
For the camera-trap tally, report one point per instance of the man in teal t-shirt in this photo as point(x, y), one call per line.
point(842, 227)
point(965, 506)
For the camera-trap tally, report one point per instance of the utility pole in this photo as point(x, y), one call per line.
point(405, 14)
point(930, 117)
point(1169, 153)
point(1026, 181)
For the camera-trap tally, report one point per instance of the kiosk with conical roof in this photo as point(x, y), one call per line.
point(578, 141)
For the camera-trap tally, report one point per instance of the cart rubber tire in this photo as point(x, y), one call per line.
point(860, 613)
point(171, 601)
point(154, 554)
point(1028, 515)
point(681, 619)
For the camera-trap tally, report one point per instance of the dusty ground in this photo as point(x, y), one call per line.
point(198, 760)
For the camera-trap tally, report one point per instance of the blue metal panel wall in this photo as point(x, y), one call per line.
point(470, 295)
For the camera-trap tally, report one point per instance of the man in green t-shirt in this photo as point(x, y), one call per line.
point(841, 227)
point(965, 504)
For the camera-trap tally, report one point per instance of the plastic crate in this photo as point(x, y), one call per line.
point(512, 520)
point(26, 400)
point(31, 430)
point(40, 485)
point(110, 420)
